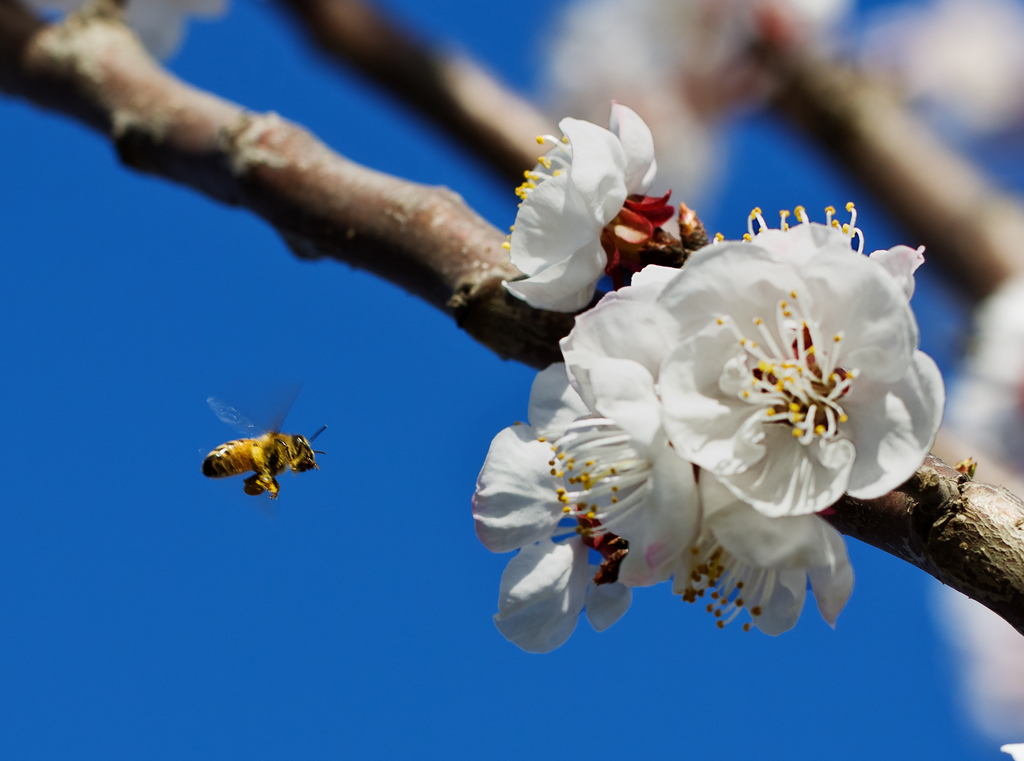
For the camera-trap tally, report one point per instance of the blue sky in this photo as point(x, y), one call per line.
point(147, 612)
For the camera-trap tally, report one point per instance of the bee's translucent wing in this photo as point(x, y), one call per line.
point(270, 407)
point(228, 414)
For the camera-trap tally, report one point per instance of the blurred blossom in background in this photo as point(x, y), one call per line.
point(961, 61)
point(160, 24)
point(686, 66)
point(990, 659)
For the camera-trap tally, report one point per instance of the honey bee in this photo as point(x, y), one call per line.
point(267, 455)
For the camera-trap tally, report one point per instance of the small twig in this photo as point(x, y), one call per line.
point(449, 90)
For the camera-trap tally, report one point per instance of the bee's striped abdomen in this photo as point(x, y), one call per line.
point(229, 459)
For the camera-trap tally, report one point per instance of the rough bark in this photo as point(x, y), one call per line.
point(968, 535)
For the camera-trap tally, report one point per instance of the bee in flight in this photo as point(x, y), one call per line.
point(267, 455)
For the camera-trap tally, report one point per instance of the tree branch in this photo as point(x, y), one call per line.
point(449, 90)
point(426, 239)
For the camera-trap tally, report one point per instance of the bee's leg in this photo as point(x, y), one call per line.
point(273, 487)
point(254, 485)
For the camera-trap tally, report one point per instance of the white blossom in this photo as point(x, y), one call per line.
point(1016, 750)
point(583, 212)
point(746, 561)
point(573, 481)
point(158, 23)
point(787, 365)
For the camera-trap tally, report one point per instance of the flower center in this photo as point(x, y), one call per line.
point(604, 476)
point(730, 585)
point(797, 381)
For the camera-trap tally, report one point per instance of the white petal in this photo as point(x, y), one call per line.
point(606, 603)
point(624, 392)
point(664, 527)
point(867, 306)
point(566, 286)
point(553, 402)
point(793, 479)
point(715, 430)
point(782, 610)
point(623, 325)
point(737, 279)
point(802, 541)
point(638, 146)
point(901, 262)
point(552, 224)
point(1016, 750)
point(515, 502)
point(832, 583)
point(542, 593)
point(801, 242)
point(598, 168)
point(893, 426)
point(653, 277)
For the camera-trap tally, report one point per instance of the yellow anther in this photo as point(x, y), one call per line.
point(527, 174)
point(566, 509)
point(544, 161)
point(561, 455)
point(801, 213)
point(830, 209)
point(810, 350)
point(719, 237)
point(843, 418)
point(753, 344)
point(797, 432)
point(614, 500)
point(792, 294)
point(542, 438)
point(757, 321)
point(720, 321)
point(746, 394)
point(554, 472)
point(559, 490)
point(556, 173)
point(755, 211)
point(780, 386)
point(794, 407)
point(746, 236)
point(846, 229)
point(835, 223)
point(783, 304)
point(565, 139)
point(540, 140)
point(837, 337)
point(588, 463)
point(849, 206)
point(743, 342)
point(591, 514)
point(770, 412)
point(615, 488)
point(506, 245)
point(784, 224)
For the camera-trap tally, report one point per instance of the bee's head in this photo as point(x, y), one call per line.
point(303, 455)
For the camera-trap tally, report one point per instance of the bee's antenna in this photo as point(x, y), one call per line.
point(313, 437)
point(317, 451)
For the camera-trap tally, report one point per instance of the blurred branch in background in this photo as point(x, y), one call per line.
point(449, 90)
point(427, 240)
point(969, 228)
